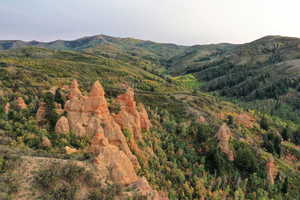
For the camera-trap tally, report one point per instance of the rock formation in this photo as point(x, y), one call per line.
point(223, 135)
point(70, 150)
point(110, 157)
point(129, 117)
point(74, 90)
point(46, 142)
point(119, 168)
point(41, 112)
point(21, 103)
point(6, 108)
point(62, 126)
point(89, 116)
point(201, 120)
point(133, 119)
point(145, 122)
point(271, 170)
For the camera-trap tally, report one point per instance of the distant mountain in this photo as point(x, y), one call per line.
point(105, 45)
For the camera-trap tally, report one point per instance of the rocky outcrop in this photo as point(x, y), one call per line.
point(145, 122)
point(6, 108)
point(70, 150)
point(129, 117)
point(201, 120)
point(120, 170)
point(46, 142)
point(62, 126)
point(21, 103)
point(133, 119)
point(99, 140)
point(110, 157)
point(223, 136)
point(271, 170)
point(41, 112)
point(74, 90)
point(89, 116)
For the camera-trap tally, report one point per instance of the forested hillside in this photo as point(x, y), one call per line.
point(263, 74)
point(106, 118)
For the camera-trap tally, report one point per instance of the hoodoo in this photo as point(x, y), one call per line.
point(89, 116)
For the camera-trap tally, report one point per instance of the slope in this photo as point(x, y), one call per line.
point(265, 71)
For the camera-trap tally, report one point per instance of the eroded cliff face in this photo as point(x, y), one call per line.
point(89, 116)
point(133, 119)
point(130, 117)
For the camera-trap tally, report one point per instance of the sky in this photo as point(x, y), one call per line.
point(186, 22)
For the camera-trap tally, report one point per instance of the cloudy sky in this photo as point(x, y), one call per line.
point(177, 21)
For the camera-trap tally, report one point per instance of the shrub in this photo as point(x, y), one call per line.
point(31, 140)
point(58, 97)
point(246, 159)
point(287, 134)
point(51, 114)
point(230, 120)
point(114, 108)
point(217, 162)
point(107, 193)
point(296, 137)
point(61, 191)
point(264, 123)
point(272, 143)
point(60, 182)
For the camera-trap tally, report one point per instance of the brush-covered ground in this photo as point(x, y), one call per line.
point(188, 161)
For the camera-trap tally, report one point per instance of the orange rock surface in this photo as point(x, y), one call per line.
point(129, 117)
point(201, 120)
point(89, 115)
point(21, 103)
point(246, 120)
point(271, 170)
point(46, 142)
point(6, 107)
point(62, 126)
